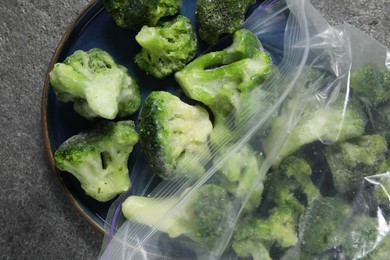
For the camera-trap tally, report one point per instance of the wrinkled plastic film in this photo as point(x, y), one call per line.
point(310, 43)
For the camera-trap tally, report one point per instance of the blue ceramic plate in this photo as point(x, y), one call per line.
point(94, 28)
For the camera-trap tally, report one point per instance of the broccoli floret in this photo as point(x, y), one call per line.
point(360, 236)
point(289, 182)
point(281, 225)
point(248, 239)
point(371, 83)
point(203, 217)
point(327, 124)
point(218, 17)
point(217, 79)
point(97, 85)
point(167, 47)
point(174, 135)
point(255, 235)
point(239, 173)
point(319, 226)
point(350, 161)
point(133, 14)
point(98, 158)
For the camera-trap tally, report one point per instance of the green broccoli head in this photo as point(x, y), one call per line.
point(352, 160)
point(320, 225)
point(98, 158)
point(254, 236)
point(167, 47)
point(174, 135)
point(218, 17)
point(133, 14)
point(218, 79)
point(290, 182)
point(238, 174)
point(328, 124)
point(97, 85)
point(250, 238)
point(371, 83)
point(203, 217)
point(360, 237)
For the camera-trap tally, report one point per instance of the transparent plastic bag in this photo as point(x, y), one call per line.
point(282, 183)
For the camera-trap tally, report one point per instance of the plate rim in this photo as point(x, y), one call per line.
point(44, 116)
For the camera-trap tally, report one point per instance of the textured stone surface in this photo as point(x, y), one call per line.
point(36, 219)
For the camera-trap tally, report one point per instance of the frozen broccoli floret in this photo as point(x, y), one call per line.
point(133, 14)
point(203, 217)
point(328, 124)
point(97, 85)
point(218, 17)
point(167, 47)
point(217, 79)
point(352, 160)
point(360, 236)
point(255, 235)
point(290, 188)
point(239, 173)
point(281, 224)
point(292, 178)
point(174, 135)
point(320, 225)
point(371, 83)
point(98, 158)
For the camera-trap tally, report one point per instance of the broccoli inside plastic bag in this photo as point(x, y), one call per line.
point(301, 166)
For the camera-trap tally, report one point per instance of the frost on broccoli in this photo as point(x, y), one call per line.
point(321, 223)
point(239, 173)
point(218, 79)
point(371, 83)
point(219, 17)
point(96, 85)
point(98, 158)
point(174, 135)
point(133, 14)
point(329, 226)
point(352, 160)
point(167, 47)
point(328, 124)
point(203, 217)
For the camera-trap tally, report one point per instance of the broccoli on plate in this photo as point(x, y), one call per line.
point(203, 217)
point(174, 135)
point(218, 79)
point(98, 158)
point(219, 17)
point(96, 85)
point(167, 47)
point(133, 14)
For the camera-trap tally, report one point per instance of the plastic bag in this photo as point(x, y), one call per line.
point(282, 184)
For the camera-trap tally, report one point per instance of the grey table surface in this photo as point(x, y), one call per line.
point(36, 219)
